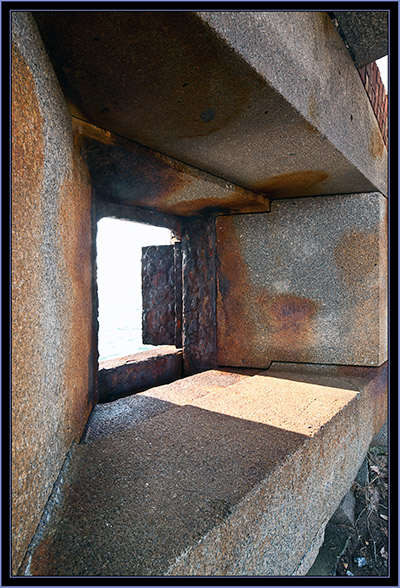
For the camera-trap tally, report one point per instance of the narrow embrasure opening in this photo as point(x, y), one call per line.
point(119, 251)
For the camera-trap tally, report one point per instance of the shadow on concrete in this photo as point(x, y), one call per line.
point(133, 502)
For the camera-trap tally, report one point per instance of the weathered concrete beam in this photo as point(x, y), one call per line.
point(306, 282)
point(301, 55)
point(127, 173)
point(239, 481)
point(270, 101)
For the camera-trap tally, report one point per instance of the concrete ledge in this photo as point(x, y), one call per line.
point(122, 414)
point(240, 482)
point(125, 375)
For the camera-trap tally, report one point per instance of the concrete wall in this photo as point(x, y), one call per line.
point(305, 283)
point(51, 283)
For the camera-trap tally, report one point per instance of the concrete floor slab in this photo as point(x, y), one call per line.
point(196, 491)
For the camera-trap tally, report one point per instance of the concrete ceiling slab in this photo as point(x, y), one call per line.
point(365, 33)
point(206, 89)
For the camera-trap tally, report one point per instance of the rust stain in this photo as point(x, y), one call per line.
point(300, 183)
point(237, 200)
point(290, 318)
point(248, 313)
point(130, 173)
point(326, 21)
point(126, 172)
point(27, 365)
point(356, 256)
point(376, 144)
point(76, 243)
point(43, 559)
point(199, 292)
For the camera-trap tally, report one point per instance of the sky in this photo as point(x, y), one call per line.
point(383, 70)
point(119, 250)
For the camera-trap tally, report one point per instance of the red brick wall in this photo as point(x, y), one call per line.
point(375, 89)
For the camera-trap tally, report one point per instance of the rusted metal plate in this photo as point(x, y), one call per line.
point(304, 283)
point(158, 295)
point(199, 295)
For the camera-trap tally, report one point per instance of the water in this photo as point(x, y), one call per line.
point(120, 338)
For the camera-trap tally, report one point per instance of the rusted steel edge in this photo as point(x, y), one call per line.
point(178, 293)
point(158, 295)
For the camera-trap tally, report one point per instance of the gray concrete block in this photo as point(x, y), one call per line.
point(306, 282)
point(301, 55)
point(125, 375)
point(381, 438)
point(345, 513)
point(362, 477)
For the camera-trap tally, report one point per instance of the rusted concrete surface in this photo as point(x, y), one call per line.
point(220, 487)
point(52, 357)
point(125, 375)
point(128, 173)
point(306, 283)
point(114, 417)
point(252, 97)
point(199, 296)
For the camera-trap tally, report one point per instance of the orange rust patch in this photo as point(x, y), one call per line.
point(356, 255)
point(237, 201)
point(291, 315)
point(284, 321)
point(43, 558)
point(376, 144)
point(300, 183)
point(27, 347)
point(76, 237)
point(233, 275)
point(327, 24)
point(126, 172)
